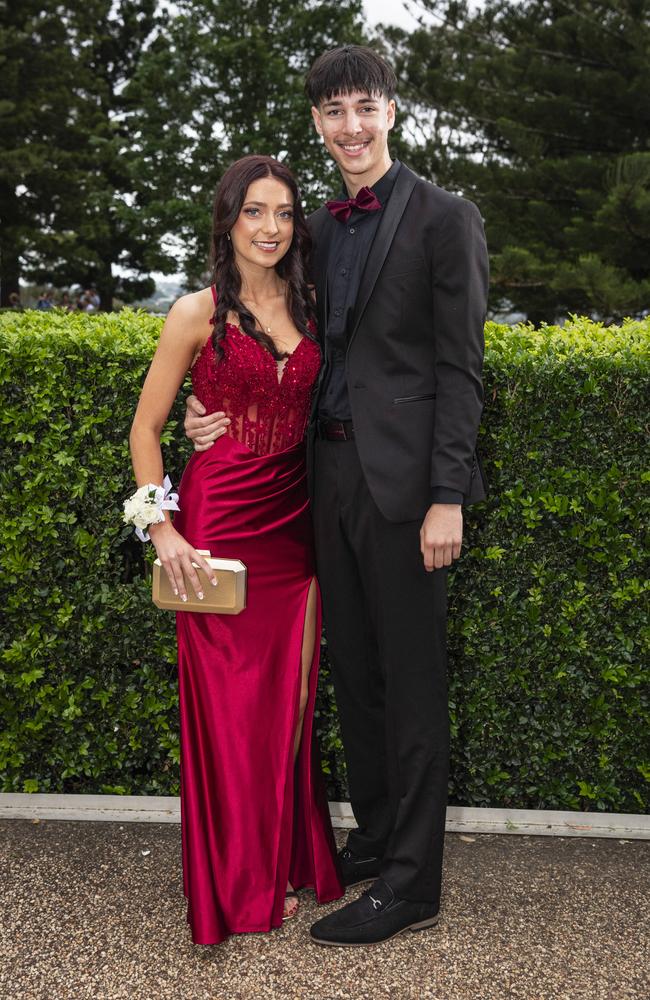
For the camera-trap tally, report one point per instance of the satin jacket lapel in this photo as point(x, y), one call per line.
point(322, 233)
point(390, 220)
point(322, 229)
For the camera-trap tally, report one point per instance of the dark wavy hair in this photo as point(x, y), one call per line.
point(293, 267)
point(349, 68)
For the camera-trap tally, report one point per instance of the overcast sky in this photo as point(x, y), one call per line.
point(394, 12)
point(388, 12)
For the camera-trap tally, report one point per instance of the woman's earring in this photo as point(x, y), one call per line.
point(228, 237)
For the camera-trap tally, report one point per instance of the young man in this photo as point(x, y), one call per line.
point(401, 272)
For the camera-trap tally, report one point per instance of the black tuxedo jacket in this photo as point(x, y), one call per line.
point(415, 352)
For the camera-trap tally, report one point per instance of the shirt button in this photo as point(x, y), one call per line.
point(337, 312)
point(344, 271)
point(352, 229)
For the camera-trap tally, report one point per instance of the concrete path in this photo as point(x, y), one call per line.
point(95, 911)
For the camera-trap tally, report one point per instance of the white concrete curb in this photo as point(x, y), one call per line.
point(460, 819)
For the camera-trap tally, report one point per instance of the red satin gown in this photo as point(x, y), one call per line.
point(250, 820)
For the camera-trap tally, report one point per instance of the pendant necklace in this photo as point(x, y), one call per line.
point(263, 325)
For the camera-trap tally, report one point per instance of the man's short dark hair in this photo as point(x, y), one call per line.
point(349, 68)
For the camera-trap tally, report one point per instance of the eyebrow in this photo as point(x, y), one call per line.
point(262, 204)
point(361, 100)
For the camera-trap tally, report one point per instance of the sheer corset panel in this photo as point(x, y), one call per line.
point(267, 401)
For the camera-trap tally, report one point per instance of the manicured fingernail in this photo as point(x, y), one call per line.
point(213, 581)
point(200, 595)
point(175, 592)
point(183, 597)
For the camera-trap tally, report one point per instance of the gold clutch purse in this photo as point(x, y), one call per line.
point(227, 598)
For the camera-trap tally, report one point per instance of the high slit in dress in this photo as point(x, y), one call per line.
point(250, 820)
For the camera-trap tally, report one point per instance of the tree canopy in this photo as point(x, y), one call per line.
point(540, 111)
point(221, 79)
point(122, 114)
point(119, 117)
point(71, 202)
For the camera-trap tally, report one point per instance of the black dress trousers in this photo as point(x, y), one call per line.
point(385, 621)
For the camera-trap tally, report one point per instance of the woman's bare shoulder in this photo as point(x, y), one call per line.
point(194, 305)
point(188, 320)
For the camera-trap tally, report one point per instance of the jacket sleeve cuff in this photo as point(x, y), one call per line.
point(442, 494)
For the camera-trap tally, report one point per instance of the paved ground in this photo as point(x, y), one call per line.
point(95, 911)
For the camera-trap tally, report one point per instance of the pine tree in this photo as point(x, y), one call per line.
point(540, 111)
point(70, 200)
point(122, 114)
point(36, 82)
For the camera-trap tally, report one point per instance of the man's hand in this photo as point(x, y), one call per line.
point(201, 428)
point(441, 535)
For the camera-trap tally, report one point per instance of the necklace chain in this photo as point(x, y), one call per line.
point(265, 326)
point(262, 324)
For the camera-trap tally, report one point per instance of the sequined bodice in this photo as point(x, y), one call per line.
point(267, 401)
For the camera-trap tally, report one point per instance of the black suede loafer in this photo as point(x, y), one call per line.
point(356, 869)
point(376, 916)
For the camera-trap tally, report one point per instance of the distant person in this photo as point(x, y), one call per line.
point(92, 301)
point(44, 301)
point(14, 301)
point(66, 302)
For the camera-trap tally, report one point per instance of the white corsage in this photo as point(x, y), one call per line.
point(147, 504)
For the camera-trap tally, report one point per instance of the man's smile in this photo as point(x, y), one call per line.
point(354, 148)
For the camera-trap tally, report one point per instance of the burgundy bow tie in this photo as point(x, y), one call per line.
point(365, 201)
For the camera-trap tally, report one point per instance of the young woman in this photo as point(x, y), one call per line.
point(255, 824)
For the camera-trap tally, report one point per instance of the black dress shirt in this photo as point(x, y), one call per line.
point(348, 252)
point(347, 256)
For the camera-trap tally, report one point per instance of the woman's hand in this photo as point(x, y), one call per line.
point(177, 556)
point(203, 429)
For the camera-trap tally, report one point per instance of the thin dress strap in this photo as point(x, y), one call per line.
point(214, 293)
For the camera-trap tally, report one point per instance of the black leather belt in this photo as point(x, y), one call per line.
point(335, 430)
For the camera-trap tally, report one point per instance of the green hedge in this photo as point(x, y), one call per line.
point(548, 628)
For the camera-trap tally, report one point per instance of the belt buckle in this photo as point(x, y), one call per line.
point(338, 430)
